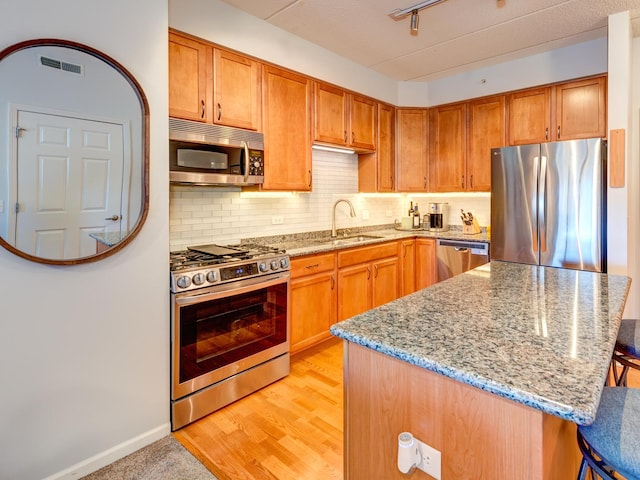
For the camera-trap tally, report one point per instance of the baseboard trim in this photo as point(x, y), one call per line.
point(109, 456)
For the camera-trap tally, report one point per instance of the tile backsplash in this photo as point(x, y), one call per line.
point(200, 215)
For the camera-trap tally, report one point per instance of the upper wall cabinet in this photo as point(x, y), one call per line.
point(530, 116)
point(212, 85)
point(448, 148)
point(412, 138)
point(487, 130)
point(344, 119)
point(564, 111)
point(190, 79)
point(376, 171)
point(236, 90)
point(287, 130)
point(461, 138)
point(581, 109)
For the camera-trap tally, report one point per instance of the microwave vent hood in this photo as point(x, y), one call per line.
point(202, 133)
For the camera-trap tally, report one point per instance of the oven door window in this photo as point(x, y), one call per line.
point(219, 332)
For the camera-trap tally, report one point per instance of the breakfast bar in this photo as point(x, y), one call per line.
point(494, 368)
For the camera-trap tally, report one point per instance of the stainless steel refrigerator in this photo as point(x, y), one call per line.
point(548, 204)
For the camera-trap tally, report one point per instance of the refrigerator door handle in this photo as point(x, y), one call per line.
point(542, 204)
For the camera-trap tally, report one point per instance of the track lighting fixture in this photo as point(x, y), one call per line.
point(399, 13)
point(415, 20)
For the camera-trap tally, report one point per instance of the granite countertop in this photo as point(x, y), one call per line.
point(318, 242)
point(540, 336)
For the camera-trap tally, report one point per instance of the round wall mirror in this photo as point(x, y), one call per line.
point(74, 148)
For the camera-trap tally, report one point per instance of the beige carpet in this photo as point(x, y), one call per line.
point(165, 459)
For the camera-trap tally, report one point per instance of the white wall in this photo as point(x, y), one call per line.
point(84, 363)
point(581, 60)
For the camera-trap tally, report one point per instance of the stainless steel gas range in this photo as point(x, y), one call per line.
point(229, 325)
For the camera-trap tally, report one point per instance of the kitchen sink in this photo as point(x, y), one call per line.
point(350, 240)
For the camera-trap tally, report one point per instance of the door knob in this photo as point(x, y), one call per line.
point(113, 218)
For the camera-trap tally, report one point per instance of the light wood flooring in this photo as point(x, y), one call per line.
point(291, 429)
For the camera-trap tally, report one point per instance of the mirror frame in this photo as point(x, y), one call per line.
point(144, 106)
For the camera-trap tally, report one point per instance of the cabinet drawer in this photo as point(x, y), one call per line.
point(367, 254)
point(312, 264)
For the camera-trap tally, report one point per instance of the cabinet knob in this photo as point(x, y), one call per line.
point(202, 109)
point(546, 133)
point(219, 112)
point(558, 132)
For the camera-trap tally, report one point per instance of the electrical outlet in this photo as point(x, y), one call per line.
point(388, 213)
point(431, 463)
point(277, 220)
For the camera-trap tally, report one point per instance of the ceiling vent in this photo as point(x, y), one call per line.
point(60, 65)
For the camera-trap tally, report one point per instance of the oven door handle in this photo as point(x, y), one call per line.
point(232, 288)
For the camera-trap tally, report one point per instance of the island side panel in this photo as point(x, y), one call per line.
point(480, 435)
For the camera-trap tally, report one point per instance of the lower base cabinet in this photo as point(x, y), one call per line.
point(367, 278)
point(313, 300)
point(407, 261)
point(426, 263)
point(330, 287)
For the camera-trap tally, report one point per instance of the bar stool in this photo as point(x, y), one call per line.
point(627, 351)
point(612, 442)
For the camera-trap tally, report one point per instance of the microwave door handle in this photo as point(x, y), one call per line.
point(246, 161)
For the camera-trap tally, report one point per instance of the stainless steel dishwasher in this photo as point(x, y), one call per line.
point(458, 256)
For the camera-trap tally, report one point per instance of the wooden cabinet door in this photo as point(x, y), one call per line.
point(426, 263)
point(190, 72)
point(363, 119)
point(236, 90)
point(330, 114)
point(412, 140)
point(376, 171)
point(406, 256)
point(448, 155)
point(354, 290)
point(384, 281)
point(313, 309)
point(530, 116)
point(487, 127)
point(287, 130)
point(580, 109)
point(386, 149)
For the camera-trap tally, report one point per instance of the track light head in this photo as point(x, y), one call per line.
point(415, 21)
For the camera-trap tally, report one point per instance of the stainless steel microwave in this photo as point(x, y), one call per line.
point(203, 154)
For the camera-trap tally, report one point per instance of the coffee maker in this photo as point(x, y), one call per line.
point(438, 216)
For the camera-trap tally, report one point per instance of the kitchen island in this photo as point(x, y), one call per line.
point(494, 368)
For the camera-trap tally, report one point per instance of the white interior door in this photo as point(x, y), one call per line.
point(70, 181)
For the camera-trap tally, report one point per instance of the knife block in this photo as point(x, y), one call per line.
point(472, 228)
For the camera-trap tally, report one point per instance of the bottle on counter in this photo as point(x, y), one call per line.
point(411, 210)
point(416, 217)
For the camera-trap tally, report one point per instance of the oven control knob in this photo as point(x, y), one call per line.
point(184, 282)
point(274, 264)
point(284, 263)
point(212, 276)
point(198, 279)
point(264, 267)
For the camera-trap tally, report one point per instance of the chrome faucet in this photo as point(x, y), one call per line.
point(352, 213)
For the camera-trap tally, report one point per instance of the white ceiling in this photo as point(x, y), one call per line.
point(454, 36)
